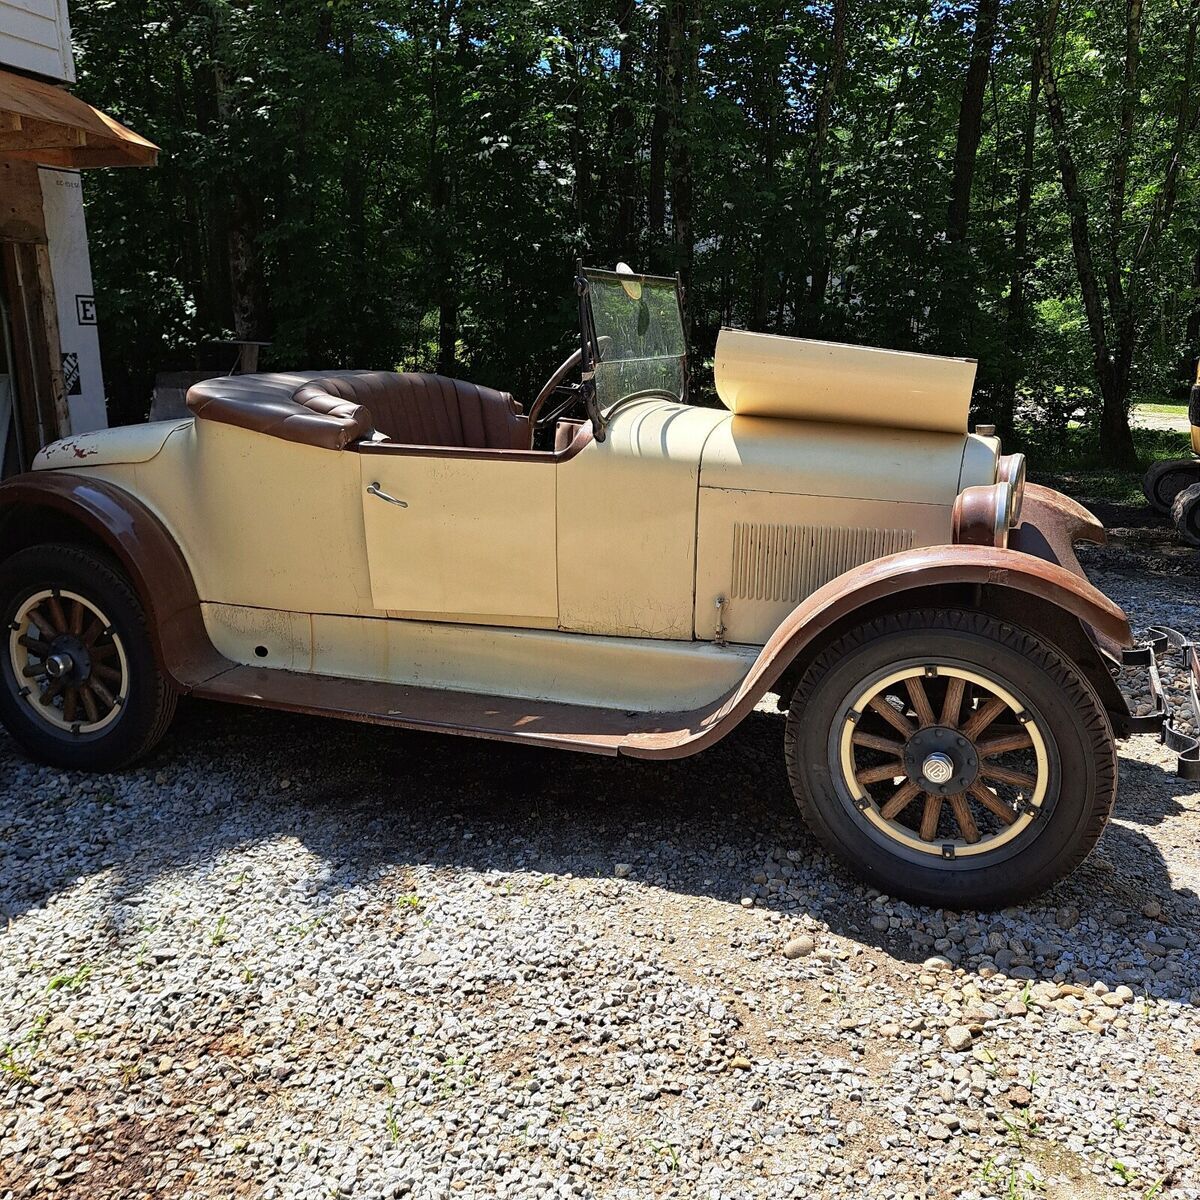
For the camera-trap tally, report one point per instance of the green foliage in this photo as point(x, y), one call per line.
point(408, 183)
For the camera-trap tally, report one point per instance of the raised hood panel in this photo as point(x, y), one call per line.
point(107, 447)
point(765, 375)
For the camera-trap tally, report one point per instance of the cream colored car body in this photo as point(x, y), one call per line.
point(643, 572)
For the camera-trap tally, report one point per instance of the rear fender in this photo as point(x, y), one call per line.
point(46, 506)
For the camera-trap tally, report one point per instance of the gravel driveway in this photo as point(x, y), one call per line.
point(297, 958)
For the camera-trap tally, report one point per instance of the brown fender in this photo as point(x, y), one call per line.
point(867, 586)
point(53, 501)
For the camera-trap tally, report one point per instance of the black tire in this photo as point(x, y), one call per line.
point(1166, 480)
point(1079, 755)
point(146, 702)
point(1185, 512)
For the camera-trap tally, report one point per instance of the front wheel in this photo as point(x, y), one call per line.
point(79, 686)
point(950, 758)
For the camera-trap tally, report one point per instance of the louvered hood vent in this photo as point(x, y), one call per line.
point(789, 562)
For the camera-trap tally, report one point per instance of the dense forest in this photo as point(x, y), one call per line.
point(410, 182)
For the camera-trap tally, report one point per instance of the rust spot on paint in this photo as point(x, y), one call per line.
point(72, 448)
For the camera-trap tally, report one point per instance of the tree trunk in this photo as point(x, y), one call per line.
point(1116, 438)
point(1016, 322)
point(819, 263)
point(441, 195)
point(1187, 371)
point(245, 269)
point(683, 58)
point(1124, 146)
point(657, 206)
point(578, 143)
point(866, 207)
point(970, 119)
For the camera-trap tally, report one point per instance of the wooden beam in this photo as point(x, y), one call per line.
point(41, 135)
point(53, 342)
point(21, 216)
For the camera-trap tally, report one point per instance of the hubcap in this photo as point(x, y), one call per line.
point(941, 761)
point(67, 662)
point(58, 665)
point(938, 768)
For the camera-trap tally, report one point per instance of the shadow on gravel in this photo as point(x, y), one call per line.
point(361, 799)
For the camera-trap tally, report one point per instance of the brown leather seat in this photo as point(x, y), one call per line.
point(426, 410)
point(332, 409)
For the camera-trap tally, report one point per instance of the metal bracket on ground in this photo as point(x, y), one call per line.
point(1160, 720)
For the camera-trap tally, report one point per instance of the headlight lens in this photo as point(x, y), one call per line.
point(984, 515)
point(1011, 469)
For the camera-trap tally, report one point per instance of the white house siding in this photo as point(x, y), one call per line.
point(70, 266)
point(35, 36)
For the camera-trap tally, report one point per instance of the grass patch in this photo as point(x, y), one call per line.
point(1072, 462)
point(73, 980)
point(1163, 410)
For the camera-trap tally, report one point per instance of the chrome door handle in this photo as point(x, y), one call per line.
point(373, 489)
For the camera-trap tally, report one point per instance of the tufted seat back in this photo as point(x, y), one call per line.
point(333, 409)
point(428, 410)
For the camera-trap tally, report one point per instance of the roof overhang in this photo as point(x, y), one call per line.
point(45, 124)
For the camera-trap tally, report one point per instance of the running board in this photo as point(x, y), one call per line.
point(580, 727)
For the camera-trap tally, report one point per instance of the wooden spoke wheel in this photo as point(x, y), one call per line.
point(950, 758)
point(79, 683)
point(943, 760)
point(71, 659)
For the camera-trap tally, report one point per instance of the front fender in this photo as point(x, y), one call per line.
point(54, 501)
point(886, 581)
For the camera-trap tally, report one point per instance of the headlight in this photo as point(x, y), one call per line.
point(1011, 469)
point(984, 515)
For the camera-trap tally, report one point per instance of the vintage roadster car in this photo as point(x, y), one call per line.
point(616, 571)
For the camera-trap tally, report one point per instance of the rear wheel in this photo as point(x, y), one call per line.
point(1185, 512)
point(79, 686)
point(1165, 480)
point(950, 758)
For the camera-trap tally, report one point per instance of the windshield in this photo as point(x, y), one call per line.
point(638, 324)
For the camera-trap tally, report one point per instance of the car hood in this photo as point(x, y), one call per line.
point(760, 454)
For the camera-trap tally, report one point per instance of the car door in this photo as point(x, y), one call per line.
point(461, 535)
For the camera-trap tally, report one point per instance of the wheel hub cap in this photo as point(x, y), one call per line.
point(941, 760)
point(938, 768)
point(58, 665)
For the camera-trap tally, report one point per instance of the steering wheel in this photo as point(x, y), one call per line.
point(539, 419)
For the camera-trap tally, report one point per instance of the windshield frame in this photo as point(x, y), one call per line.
point(592, 352)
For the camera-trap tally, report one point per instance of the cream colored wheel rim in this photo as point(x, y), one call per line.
point(68, 663)
point(919, 719)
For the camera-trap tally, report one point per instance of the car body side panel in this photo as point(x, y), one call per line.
point(630, 674)
point(627, 523)
point(473, 542)
point(259, 520)
point(762, 553)
point(149, 553)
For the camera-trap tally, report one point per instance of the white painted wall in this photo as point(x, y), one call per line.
point(70, 265)
point(35, 36)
